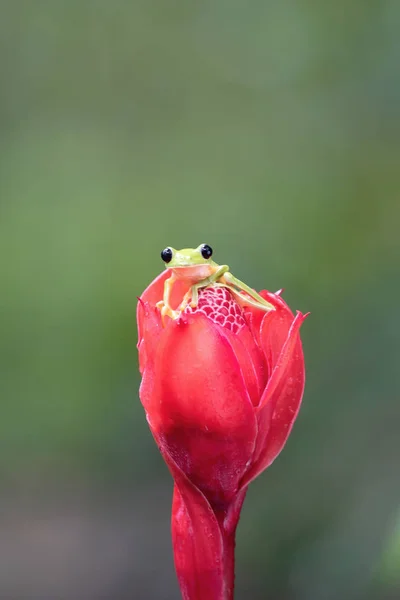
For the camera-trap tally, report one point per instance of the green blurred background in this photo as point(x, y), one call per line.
point(271, 131)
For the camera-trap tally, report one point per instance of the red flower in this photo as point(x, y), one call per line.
point(221, 388)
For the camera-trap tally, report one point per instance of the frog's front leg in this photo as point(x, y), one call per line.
point(194, 290)
point(164, 304)
point(236, 287)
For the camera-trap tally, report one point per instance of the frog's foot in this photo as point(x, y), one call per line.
point(186, 299)
point(167, 311)
point(191, 298)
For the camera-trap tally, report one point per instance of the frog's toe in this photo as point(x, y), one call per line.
point(166, 311)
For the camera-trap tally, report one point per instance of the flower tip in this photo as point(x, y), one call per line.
point(302, 316)
point(279, 292)
point(142, 305)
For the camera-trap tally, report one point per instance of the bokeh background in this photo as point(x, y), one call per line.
point(270, 130)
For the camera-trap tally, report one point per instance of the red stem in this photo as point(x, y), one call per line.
point(204, 546)
point(229, 565)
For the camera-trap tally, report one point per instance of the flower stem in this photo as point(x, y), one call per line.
point(204, 546)
point(228, 521)
point(229, 565)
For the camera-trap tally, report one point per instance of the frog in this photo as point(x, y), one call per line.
point(197, 269)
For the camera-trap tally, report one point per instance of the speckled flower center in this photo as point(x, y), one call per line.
point(218, 304)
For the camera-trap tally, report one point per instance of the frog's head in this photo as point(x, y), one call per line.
point(189, 263)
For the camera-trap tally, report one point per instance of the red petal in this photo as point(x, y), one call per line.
point(255, 316)
point(199, 408)
point(149, 333)
point(219, 305)
point(251, 361)
point(155, 291)
point(280, 402)
point(151, 295)
point(274, 329)
point(149, 318)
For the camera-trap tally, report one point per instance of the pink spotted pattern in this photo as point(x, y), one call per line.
point(218, 304)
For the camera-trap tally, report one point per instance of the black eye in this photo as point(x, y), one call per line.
point(166, 255)
point(206, 251)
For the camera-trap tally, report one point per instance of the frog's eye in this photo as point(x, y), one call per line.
point(166, 254)
point(206, 251)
